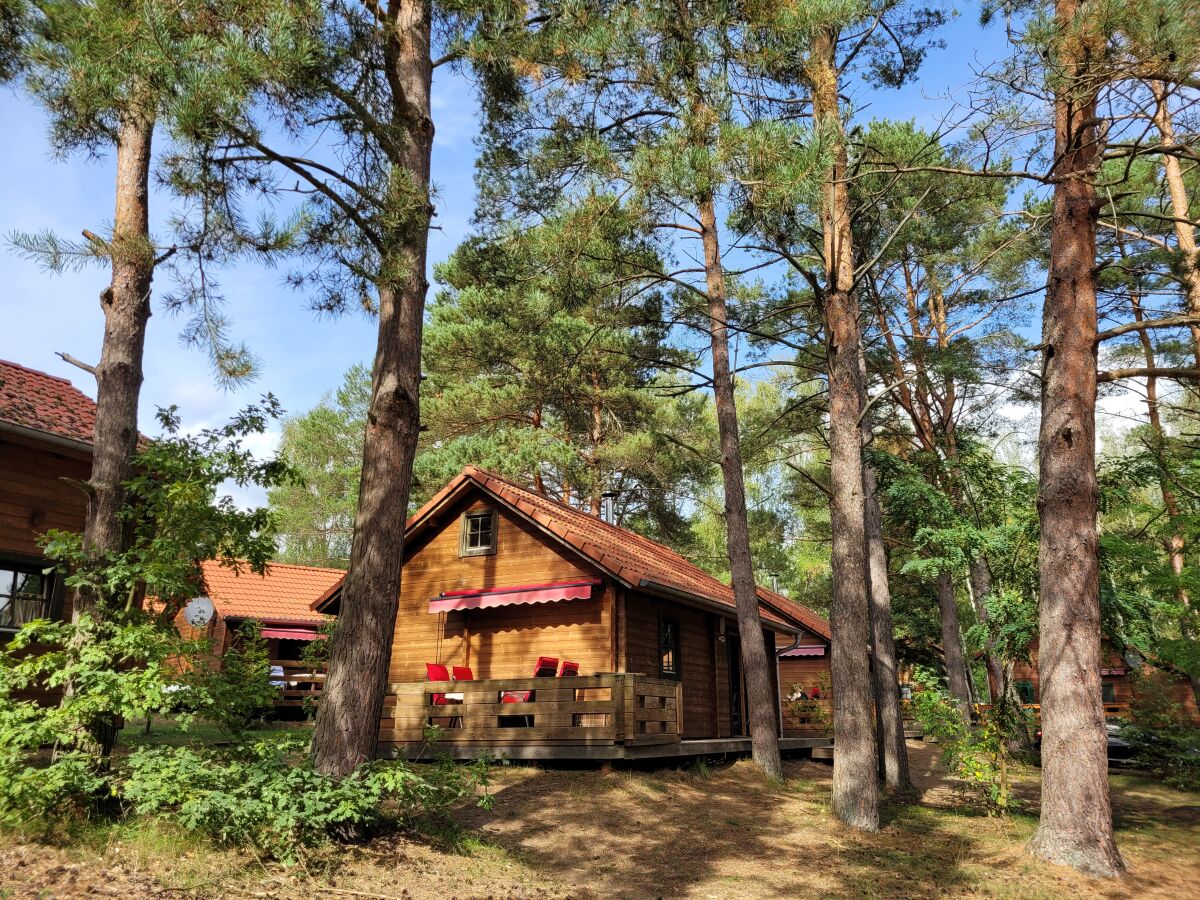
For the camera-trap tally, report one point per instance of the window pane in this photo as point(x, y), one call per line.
point(30, 583)
point(6, 581)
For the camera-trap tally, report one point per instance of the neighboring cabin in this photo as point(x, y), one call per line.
point(496, 576)
point(281, 601)
point(46, 429)
point(1118, 683)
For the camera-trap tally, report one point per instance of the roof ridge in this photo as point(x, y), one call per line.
point(591, 518)
point(271, 564)
point(17, 365)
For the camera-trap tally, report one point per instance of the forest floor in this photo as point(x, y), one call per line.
point(716, 831)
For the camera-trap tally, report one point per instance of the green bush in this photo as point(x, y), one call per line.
point(1170, 754)
point(977, 754)
point(257, 795)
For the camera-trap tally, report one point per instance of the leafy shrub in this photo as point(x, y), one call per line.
point(978, 754)
point(256, 795)
point(236, 689)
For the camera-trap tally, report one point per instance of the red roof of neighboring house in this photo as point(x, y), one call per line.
point(46, 403)
point(286, 593)
point(635, 560)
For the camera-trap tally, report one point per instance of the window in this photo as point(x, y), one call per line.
point(668, 647)
point(1108, 691)
point(1024, 690)
point(24, 595)
point(478, 534)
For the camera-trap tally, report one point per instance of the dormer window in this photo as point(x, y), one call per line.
point(478, 536)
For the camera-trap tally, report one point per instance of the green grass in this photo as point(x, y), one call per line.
point(167, 732)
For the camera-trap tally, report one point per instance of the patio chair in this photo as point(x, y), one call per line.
point(568, 669)
point(463, 673)
point(437, 672)
point(546, 667)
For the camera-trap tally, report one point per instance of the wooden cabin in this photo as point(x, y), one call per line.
point(496, 576)
point(46, 429)
point(806, 682)
point(1118, 683)
point(281, 601)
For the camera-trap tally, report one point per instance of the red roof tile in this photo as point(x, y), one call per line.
point(33, 399)
point(284, 594)
point(634, 559)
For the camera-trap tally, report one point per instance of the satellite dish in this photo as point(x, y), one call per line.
point(199, 612)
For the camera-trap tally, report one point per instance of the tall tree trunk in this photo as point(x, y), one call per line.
point(1176, 546)
point(889, 718)
point(764, 733)
point(126, 306)
point(980, 576)
point(855, 793)
point(1185, 232)
point(1075, 827)
point(352, 702)
point(952, 648)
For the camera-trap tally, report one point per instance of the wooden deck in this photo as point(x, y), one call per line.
point(601, 717)
point(302, 684)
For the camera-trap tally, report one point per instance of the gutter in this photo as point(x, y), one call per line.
point(46, 437)
point(675, 593)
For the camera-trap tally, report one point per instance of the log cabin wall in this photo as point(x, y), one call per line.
point(503, 642)
point(34, 498)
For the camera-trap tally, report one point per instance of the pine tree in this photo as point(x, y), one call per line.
point(544, 363)
point(110, 75)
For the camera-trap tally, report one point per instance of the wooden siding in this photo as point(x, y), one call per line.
point(696, 658)
point(503, 642)
point(1123, 684)
point(34, 498)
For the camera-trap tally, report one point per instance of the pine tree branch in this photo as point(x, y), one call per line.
point(1167, 322)
point(1190, 374)
point(78, 363)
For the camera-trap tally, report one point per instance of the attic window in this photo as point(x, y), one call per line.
point(478, 536)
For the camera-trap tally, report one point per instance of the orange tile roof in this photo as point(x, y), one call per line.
point(47, 403)
point(632, 558)
point(285, 593)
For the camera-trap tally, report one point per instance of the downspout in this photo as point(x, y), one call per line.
point(778, 679)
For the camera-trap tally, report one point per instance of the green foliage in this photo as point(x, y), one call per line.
point(179, 517)
point(265, 794)
point(324, 446)
point(183, 68)
point(1169, 754)
point(977, 754)
point(236, 688)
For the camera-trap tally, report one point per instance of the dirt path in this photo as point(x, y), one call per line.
point(701, 832)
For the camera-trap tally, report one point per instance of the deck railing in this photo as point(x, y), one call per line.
point(807, 717)
point(613, 708)
point(1111, 710)
point(302, 682)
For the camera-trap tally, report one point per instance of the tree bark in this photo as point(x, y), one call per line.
point(126, 306)
point(981, 588)
point(1075, 827)
point(952, 648)
point(1185, 232)
point(855, 797)
point(764, 726)
point(889, 718)
point(352, 702)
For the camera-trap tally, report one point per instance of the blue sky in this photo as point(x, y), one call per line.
point(302, 356)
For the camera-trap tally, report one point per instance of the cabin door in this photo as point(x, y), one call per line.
point(736, 720)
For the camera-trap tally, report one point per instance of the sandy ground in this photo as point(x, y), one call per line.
point(703, 832)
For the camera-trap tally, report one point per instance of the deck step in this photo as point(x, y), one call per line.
point(825, 753)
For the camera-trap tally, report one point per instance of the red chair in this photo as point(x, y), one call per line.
point(546, 667)
point(568, 669)
point(436, 672)
point(463, 673)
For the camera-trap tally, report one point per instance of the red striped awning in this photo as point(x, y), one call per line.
point(815, 650)
point(486, 598)
point(293, 633)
